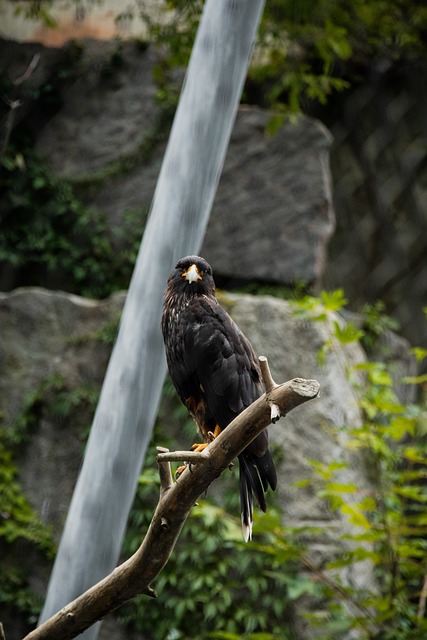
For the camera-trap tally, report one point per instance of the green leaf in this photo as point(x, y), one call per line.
point(347, 333)
point(333, 300)
point(377, 373)
point(401, 426)
point(381, 377)
point(415, 455)
point(355, 516)
point(412, 493)
point(420, 353)
point(275, 123)
point(421, 379)
point(337, 487)
point(301, 586)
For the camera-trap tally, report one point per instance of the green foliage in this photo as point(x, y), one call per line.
point(18, 598)
point(214, 585)
point(375, 323)
point(389, 527)
point(207, 577)
point(105, 334)
point(54, 398)
point(20, 525)
point(50, 237)
point(307, 50)
point(387, 520)
point(18, 520)
point(37, 9)
point(319, 309)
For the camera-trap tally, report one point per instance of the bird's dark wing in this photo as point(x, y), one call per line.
point(219, 361)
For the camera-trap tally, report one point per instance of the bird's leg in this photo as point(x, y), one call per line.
point(211, 437)
point(199, 446)
point(215, 433)
point(180, 469)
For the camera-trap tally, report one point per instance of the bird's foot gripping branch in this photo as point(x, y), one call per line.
point(136, 574)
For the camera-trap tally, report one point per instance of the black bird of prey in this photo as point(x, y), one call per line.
point(215, 372)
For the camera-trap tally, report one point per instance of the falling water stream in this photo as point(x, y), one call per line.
point(122, 426)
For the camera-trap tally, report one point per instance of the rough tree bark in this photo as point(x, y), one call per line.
point(176, 500)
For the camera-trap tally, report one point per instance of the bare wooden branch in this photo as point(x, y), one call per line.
point(266, 374)
point(176, 501)
point(181, 456)
point(29, 71)
point(165, 473)
point(422, 601)
point(269, 386)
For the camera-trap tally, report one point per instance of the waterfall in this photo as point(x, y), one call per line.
point(95, 525)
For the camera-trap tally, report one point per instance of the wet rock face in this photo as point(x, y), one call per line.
point(51, 343)
point(107, 115)
point(273, 214)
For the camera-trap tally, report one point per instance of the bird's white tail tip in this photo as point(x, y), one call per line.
point(247, 531)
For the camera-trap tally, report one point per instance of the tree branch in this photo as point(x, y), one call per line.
point(135, 576)
point(181, 456)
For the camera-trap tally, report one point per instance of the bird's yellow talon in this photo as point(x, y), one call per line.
point(199, 446)
point(180, 470)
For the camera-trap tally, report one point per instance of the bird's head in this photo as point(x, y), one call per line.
point(192, 276)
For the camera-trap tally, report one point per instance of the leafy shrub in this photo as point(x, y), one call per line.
point(50, 238)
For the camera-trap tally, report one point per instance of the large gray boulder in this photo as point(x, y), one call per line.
point(273, 214)
point(49, 335)
point(108, 114)
point(51, 339)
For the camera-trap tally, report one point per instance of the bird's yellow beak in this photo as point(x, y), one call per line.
point(192, 274)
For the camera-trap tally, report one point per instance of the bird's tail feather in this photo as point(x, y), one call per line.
point(255, 476)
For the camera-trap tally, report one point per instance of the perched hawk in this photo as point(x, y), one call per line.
point(215, 371)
